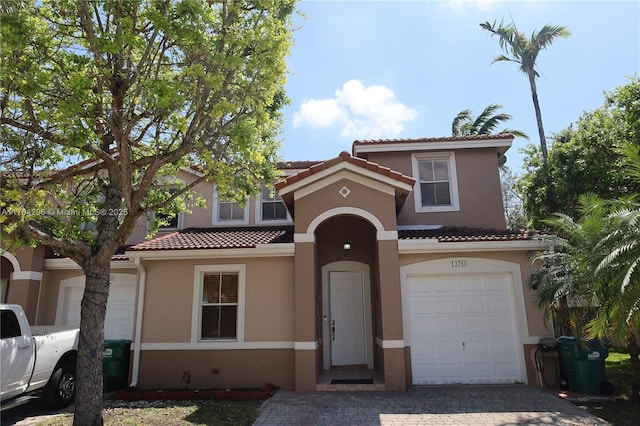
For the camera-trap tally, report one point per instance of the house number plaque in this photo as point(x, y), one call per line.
point(459, 263)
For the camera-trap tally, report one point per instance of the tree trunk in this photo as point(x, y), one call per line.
point(536, 107)
point(635, 367)
point(88, 409)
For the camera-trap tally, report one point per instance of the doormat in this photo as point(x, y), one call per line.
point(351, 381)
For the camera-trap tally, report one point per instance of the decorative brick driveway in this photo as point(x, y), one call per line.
point(442, 405)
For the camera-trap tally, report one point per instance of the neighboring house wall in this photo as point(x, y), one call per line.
point(208, 215)
point(24, 280)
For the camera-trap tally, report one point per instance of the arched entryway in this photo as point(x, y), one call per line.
point(346, 256)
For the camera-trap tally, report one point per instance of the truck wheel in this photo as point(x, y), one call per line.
point(61, 389)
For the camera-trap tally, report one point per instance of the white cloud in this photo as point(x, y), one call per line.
point(460, 6)
point(361, 112)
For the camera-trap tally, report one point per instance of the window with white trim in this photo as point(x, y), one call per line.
point(436, 182)
point(219, 303)
point(272, 207)
point(219, 318)
point(230, 212)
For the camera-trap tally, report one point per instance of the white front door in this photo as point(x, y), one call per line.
point(347, 319)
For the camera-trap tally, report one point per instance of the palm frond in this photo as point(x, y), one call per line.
point(492, 122)
point(459, 120)
point(628, 276)
point(546, 36)
point(514, 132)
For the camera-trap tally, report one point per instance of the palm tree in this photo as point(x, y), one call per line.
point(465, 124)
point(524, 52)
point(583, 284)
point(598, 269)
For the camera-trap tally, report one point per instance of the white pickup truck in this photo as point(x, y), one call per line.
point(35, 361)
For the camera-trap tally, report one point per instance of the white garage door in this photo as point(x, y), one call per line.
point(462, 329)
point(120, 305)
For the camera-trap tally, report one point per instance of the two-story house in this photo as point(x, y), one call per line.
point(390, 263)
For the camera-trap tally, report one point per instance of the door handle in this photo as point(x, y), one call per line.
point(24, 346)
point(333, 329)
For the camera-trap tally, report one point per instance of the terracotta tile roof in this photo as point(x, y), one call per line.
point(219, 238)
point(449, 234)
point(293, 165)
point(346, 157)
point(505, 136)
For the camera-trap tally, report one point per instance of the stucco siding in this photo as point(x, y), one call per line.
point(169, 299)
point(235, 368)
point(478, 188)
point(380, 204)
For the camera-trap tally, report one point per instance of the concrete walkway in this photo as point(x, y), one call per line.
point(426, 405)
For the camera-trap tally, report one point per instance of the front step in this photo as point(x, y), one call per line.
point(376, 387)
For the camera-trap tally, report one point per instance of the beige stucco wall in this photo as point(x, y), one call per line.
point(169, 299)
point(198, 217)
point(379, 204)
point(236, 368)
point(478, 185)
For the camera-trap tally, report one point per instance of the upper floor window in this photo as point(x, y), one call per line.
point(271, 206)
point(436, 182)
point(230, 212)
point(168, 221)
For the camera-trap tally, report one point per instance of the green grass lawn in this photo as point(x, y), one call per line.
point(170, 413)
point(621, 411)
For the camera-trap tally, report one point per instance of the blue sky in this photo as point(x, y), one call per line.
point(404, 69)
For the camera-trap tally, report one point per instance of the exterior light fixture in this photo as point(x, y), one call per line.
point(347, 248)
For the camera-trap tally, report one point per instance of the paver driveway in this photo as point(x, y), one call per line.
point(428, 405)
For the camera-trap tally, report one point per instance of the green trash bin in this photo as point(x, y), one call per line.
point(583, 363)
point(115, 364)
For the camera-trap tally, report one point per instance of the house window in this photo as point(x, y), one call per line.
point(219, 303)
point(272, 206)
point(229, 211)
point(169, 222)
point(436, 183)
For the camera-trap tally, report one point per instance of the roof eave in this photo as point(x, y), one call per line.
point(501, 145)
point(432, 245)
point(260, 250)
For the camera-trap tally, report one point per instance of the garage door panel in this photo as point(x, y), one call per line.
point(479, 372)
point(477, 348)
point(446, 327)
point(469, 284)
point(476, 327)
point(472, 306)
point(462, 329)
point(496, 283)
point(446, 305)
point(451, 372)
point(447, 348)
point(501, 326)
point(498, 305)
